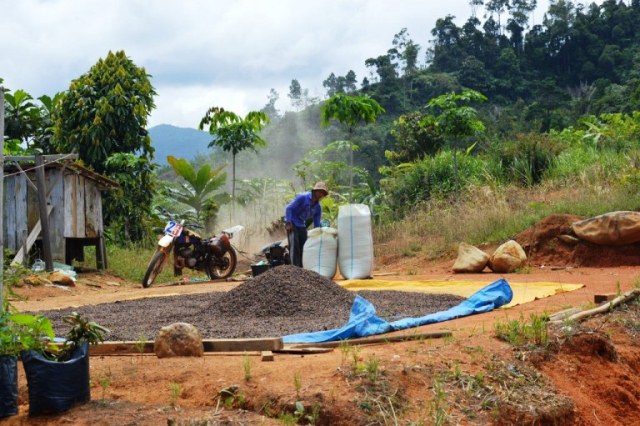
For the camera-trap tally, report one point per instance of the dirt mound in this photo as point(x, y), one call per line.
point(551, 242)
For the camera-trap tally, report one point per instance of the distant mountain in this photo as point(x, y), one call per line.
point(180, 142)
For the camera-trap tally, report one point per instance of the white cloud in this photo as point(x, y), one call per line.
point(202, 53)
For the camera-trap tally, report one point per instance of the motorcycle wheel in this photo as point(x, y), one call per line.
point(224, 270)
point(154, 268)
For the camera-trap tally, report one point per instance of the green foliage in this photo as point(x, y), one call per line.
point(523, 160)
point(19, 332)
point(82, 330)
point(521, 334)
point(234, 134)
point(197, 190)
point(104, 114)
point(407, 185)
point(454, 117)
point(350, 111)
point(416, 135)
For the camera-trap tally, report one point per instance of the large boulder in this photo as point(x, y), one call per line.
point(470, 259)
point(507, 258)
point(610, 229)
point(178, 339)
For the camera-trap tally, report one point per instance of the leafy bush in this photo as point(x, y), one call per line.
point(432, 177)
point(523, 160)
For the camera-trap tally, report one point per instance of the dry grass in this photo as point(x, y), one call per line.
point(487, 215)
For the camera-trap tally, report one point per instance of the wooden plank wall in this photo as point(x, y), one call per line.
point(15, 211)
point(92, 207)
point(74, 197)
point(56, 218)
point(77, 211)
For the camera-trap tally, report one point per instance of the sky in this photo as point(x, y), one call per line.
point(203, 53)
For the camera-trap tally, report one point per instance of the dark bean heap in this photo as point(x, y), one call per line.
point(286, 291)
point(284, 300)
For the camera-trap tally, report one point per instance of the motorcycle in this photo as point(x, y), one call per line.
point(215, 256)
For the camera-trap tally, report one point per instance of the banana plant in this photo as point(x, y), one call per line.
point(198, 189)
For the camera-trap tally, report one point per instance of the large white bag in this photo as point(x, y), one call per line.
point(321, 251)
point(355, 254)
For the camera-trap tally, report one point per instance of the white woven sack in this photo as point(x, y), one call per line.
point(321, 251)
point(355, 253)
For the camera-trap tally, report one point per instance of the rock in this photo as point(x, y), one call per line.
point(470, 259)
point(178, 339)
point(507, 258)
point(36, 280)
point(62, 279)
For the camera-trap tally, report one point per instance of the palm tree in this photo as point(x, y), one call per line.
point(197, 191)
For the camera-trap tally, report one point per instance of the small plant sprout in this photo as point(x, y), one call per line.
point(141, 343)
point(105, 382)
point(355, 356)
point(246, 367)
point(297, 383)
point(175, 391)
point(345, 349)
point(372, 367)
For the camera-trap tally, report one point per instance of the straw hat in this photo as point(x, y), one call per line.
point(321, 186)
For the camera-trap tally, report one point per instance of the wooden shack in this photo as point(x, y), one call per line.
point(73, 196)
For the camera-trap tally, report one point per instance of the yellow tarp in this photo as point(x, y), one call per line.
point(522, 292)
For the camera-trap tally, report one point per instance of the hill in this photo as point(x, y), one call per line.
point(182, 142)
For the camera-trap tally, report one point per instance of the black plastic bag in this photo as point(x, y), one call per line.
point(8, 386)
point(55, 386)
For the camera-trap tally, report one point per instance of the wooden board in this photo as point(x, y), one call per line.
point(303, 351)
point(55, 197)
point(377, 339)
point(210, 345)
point(21, 210)
point(31, 239)
point(91, 196)
point(74, 206)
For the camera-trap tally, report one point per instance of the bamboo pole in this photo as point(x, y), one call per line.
point(1, 198)
point(630, 295)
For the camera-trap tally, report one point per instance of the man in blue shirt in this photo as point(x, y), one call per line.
point(305, 206)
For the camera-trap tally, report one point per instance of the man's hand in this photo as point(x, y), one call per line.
point(289, 227)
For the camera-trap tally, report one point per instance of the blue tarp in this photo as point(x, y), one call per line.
point(363, 320)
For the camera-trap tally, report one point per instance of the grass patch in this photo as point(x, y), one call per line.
point(131, 263)
point(491, 215)
point(522, 334)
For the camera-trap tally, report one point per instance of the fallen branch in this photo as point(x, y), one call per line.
point(625, 297)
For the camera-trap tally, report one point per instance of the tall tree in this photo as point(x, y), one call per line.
point(456, 118)
point(234, 134)
point(270, 108)
point(295, 94)
point(350, 111)
point(103, 113)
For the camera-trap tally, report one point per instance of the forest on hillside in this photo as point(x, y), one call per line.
point(551, 102)
point(571, 71)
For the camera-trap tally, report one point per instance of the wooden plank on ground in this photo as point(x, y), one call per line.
point(240, 345)
point(210, 345)
point(601, 298)
point(303, 351)
point(377, 339)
